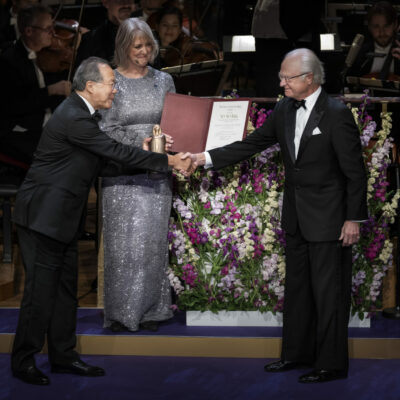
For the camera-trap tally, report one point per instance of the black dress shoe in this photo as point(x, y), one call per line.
point(79, 368)
point(322, 375)
point(118, 327)
point(149, 326)
point(281, 366)
point(32, 375)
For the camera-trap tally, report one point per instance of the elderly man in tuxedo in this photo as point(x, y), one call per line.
point(49, 211)
point(324, 198)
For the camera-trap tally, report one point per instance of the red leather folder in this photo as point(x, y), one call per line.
point(187, 120)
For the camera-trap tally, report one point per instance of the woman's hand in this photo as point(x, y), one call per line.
point(146, 143)
point(168, 142)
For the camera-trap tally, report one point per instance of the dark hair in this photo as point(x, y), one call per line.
point(383, 8)
point(88, 71)
point(170, 11)
point(28, 15)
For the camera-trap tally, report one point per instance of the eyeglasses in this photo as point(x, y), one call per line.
point(109, 84)
point(49, 29)
point(287, 79)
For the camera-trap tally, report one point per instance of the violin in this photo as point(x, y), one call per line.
point(59, 55)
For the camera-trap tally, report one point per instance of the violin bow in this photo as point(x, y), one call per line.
point(75, 45)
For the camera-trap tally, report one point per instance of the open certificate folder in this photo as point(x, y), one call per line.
point(197, 124)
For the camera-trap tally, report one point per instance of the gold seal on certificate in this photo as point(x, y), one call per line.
point(157, 143)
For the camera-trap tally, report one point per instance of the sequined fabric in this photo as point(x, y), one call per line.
point(136, 210)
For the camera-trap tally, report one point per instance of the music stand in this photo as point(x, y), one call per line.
point(205, 78)
point(376, 87)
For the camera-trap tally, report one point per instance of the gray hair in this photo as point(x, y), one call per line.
point(309, 63)
point(88, 71)
point(128, 31)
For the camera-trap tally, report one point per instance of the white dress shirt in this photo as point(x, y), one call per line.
point(302, 116)
point(378, 62)
point(89, 106)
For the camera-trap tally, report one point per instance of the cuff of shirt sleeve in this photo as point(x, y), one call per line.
point(209, 162)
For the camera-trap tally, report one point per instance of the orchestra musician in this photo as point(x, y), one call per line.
point(379, 57)
point(9, 31)
point(175, 46)
point(28, 106)
point(100, 42)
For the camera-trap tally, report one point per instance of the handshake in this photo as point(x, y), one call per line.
point(185, 163)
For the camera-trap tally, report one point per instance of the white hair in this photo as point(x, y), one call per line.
point(309, 63)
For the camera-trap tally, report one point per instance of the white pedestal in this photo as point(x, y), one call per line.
point(250, 318)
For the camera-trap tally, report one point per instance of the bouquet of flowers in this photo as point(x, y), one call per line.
point(226, 242)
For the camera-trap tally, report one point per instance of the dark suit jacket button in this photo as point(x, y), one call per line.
point(297, 187)
point(296, 169)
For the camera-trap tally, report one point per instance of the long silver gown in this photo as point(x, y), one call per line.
point(136, 210)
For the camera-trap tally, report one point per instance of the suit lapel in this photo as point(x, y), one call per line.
point(313, 121)
point(290, 128)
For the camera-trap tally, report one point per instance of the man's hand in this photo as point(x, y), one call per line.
point(350, 233)
point(61, 88)
point(396, 50)
point(184, 166)
point(199, 158)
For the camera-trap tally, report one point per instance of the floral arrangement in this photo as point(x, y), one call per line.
point(226, 242)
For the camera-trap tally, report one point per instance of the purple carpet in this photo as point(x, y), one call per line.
point(156, 378)
point(90, 322)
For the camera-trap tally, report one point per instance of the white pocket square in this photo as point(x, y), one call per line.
point(316, 131)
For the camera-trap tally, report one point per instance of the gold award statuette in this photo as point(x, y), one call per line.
point(157, 143)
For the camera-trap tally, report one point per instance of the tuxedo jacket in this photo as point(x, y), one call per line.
point(7, 31)
point(362, 64)
point(99, 42)
point(23, 102)
point(326, 184)
point(72, 151)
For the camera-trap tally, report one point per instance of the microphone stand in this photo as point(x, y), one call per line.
point(394, 312)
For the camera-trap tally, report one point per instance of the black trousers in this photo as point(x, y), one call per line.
point(317, 303)
point(49, 302)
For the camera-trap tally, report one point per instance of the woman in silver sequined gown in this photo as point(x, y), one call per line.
point(136, 208)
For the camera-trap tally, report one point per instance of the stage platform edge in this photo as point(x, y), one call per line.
point(383, 348)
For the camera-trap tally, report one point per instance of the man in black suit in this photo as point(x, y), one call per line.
point(49, 211)
point(100, 41)
point(324, 197)
point(29, 100)
point(382, 26)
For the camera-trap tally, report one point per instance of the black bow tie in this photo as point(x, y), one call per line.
point(96, 116)
point(299, 103)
